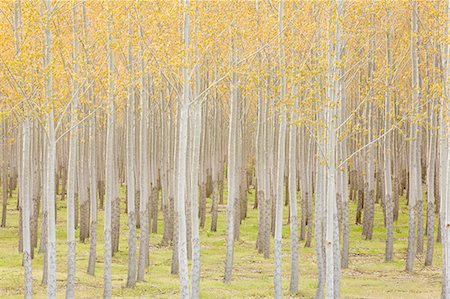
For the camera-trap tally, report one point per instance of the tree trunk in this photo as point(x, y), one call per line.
point(389, 250)
point(26, 203)
point(280, 169)
point(109, 173)
point(130, 174)
point(4, 177)
point(182, 161)
point(143, 159)
point(51, 162)
point(293, 287)
point(414, 188)
point(195, 136)
point(445, 167)
point(232, 166)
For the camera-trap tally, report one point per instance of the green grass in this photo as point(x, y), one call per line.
point(368, 276)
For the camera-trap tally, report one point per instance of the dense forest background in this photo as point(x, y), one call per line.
point(255, 148)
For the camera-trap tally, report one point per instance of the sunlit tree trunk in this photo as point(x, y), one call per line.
point(44, 221)
point(72, 165)
point(445, 165)
point(342, 172)
point(319, 229)
point(195, 120)
point(293, 287)
point(432, 144)
point(4, 178)
point(231, 166)
point(369, 197)
point(130, 176)
point(182, 160)
point(320, 189)
point(51, 161)
point(109, 173)
point(332, 228)
point(414, 188)
point(389, 250)
point(280, 166)
point(215, 157)
point(17, 46)
point(26, 202)
point(25, 188)
point(92, 168)
point(143, 172)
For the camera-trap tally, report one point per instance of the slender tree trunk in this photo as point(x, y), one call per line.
point(130, 176)
point(319, 228)
point(445, 166)
point(332, 230)
point(232, 166)
point(174, 202)
point(215, 169)
point(44, 222)
point(51, 162)
point(195, 120)
point(109, 173)
point(309, 188)
point(182, 161)
point(92, 167)
point(26, 203)
point(92, 196)
point(25, 188)
point(369, 198)
point(280, 168)
point(293, 287)
point(414, 189)
point(143, 159)
point(389, 250)
point(342, 175)
point(4, 178)
point(72, 165)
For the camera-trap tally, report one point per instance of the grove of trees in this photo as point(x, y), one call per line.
point(310, 105)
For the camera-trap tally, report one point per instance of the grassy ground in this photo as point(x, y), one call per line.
point(368, 276)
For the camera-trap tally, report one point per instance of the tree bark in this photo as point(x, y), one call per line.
point(280, 168)
point(182, 161)
point(109, 173)
point(414, 188)
point(232, 166)
point(143, 159)
point(389, 250)
point(130, 174)
point(26, 203)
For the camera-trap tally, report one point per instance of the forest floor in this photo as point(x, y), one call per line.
point(368, 276)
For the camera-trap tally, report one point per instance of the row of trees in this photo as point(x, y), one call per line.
point(335, 100)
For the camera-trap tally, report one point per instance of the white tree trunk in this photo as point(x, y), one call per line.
point(414, 189)
point(72, 165)
point(293, 287)
point(389, 251)
point(182, 162)
point(26, 202)
point(195, 121)
point(143, 172)
point(231, 167)
point(51, 164)
point(332, 229)
point(194, 171)
point(51, 196)
point(277, 279)
point(92, 159)
point(445, 166)
point(130, 175)
point(109, 173)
